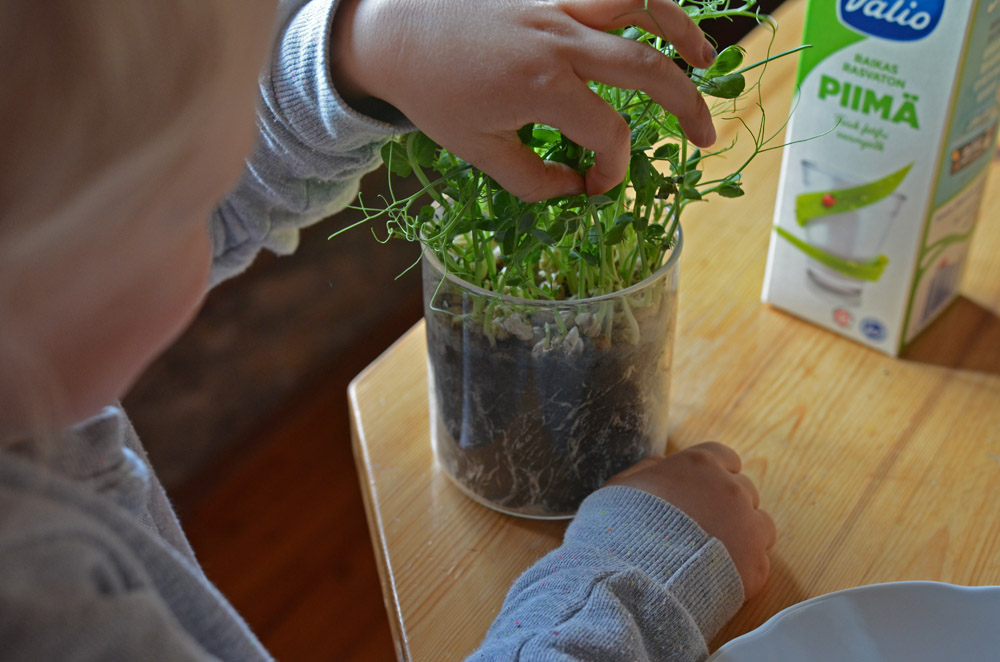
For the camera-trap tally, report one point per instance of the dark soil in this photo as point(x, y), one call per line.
point(536, 432)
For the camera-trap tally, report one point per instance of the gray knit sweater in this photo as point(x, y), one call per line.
point(94, 566)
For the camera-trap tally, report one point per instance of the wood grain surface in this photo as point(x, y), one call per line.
point(875, 469)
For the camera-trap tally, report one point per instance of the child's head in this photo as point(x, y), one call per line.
point(124, 124)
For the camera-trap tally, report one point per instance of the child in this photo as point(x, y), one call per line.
point(125, 126)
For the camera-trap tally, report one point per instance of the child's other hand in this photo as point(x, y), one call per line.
point(469, 73)
point(705, 482)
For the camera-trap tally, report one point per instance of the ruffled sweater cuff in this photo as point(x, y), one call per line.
point(658, 538)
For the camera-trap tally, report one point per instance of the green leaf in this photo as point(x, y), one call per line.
point(426, 215)
point(640, 224)
point(509, 242)
point(655, 230)
point(394, 157)
point(506, 239)
point(642, 172)
point(644, 135)
point(543, 135)
point(669, 151)
point(598, 201)
point(566, 223)
point(632, 33)
point(667, 189)
point(462, 227)
point(542, 236)
point(616, 192)
point(570, 149)
point(615, 235)
point(690, 193)
point(617, 232)
point(503, 203)
point(692, 177)
point(671, 125)
point(556, 228)
point(524, 133)
point(594, 235)
point(725, 62)
point(586, 257)
point(526, 246)
point(526, 222)
point(423, 148)
point(728, 86)
point(730, 190)
point(728, 60)
point(500, 238)
point(624, 220)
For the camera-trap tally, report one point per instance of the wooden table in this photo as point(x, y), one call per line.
point(875, 469)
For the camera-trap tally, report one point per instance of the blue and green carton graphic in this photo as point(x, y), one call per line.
point(882, 181)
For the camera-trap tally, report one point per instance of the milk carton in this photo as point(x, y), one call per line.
point(897, 113)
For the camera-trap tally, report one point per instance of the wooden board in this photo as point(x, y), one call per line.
point(875, 469)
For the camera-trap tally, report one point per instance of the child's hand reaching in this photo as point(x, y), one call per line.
point(469, 73)
point(705, 482)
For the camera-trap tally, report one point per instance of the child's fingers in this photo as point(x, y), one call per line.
point(769, 528)
point(589, 121)
point(724, 455)
point(755, 577)
point(661, 17)
point(748, 488)
point(634, 66)
point(522, 172)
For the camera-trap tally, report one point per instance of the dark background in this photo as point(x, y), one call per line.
point(245, 419)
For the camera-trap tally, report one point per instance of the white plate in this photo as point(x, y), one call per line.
point(910, 621)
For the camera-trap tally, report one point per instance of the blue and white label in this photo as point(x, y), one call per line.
point(873, 329)
point(896, 20)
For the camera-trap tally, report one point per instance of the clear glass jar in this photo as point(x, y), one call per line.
point(535, 404)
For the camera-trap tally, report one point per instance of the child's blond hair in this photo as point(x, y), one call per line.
point(88, 83)
point(95, 96)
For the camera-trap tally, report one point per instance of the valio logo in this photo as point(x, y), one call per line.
point(896, 20)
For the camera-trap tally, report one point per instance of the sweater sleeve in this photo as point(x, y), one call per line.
point(635, 579)
point(311, 152)
point(72, 598)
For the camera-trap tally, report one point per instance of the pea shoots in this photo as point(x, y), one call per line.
point(578, 246)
